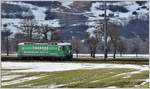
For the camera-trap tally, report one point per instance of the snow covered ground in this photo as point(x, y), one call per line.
point(19, 80)
point(28, 67)
point(51, 66)
point(9, 77)
point(111, 56)
point(100, 55)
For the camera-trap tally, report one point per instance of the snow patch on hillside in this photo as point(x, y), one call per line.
point(51, 23)
point(14, 24)
point(119, 18)
point(38, 12)
point(131, 6)
point(93, 15)
point(91, 31)
point(66, 3)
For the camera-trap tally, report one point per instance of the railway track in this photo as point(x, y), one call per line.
point(141, 61)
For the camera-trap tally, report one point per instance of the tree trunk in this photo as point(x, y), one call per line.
point(136, 54)
point(120, 54)
point(76, 54)
point(114, 56)
point(45, 36)
point(30, 35)
point(105, 54)
point(94, 54)
point(91, 53)
point(7, 46)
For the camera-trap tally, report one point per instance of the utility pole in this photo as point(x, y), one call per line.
point(105, 31)
point(7, 39)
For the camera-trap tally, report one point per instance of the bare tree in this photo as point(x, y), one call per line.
point(44, 29)
point(55, 36)
point(135, 49)
point(95, 39)
point(113, 32)
point(6, 33)
point(49, 33)
point(146, 46)
point(121, 46)
point(93, 43)
point(76, 45)
point(19, 37)
point(28, 27)
point(136, 45)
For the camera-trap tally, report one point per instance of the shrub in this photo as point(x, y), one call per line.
point(134, 13)
point(13, 8)
point(115, 8)
point(144, 7)
point(141, 2)
point(102, 15)
point(47, 3)
point(111, 14)
point(13, 11)
point(138, 9)
point(49, 15)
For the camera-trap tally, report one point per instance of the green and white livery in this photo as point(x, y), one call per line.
point(58, 50)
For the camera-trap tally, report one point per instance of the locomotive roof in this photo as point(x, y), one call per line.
point(61, 44)
point(64, 43)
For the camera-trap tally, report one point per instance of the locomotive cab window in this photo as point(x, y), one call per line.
point(63, 47)
point(17, 48)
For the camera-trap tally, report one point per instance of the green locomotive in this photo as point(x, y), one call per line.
point(56, 50)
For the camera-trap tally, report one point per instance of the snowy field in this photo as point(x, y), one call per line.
point(111, 56)
point(23, 72)
point(51, 66)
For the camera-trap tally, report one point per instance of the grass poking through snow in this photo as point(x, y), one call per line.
point(83, 78)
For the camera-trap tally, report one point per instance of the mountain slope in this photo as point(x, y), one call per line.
point(77, 17)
